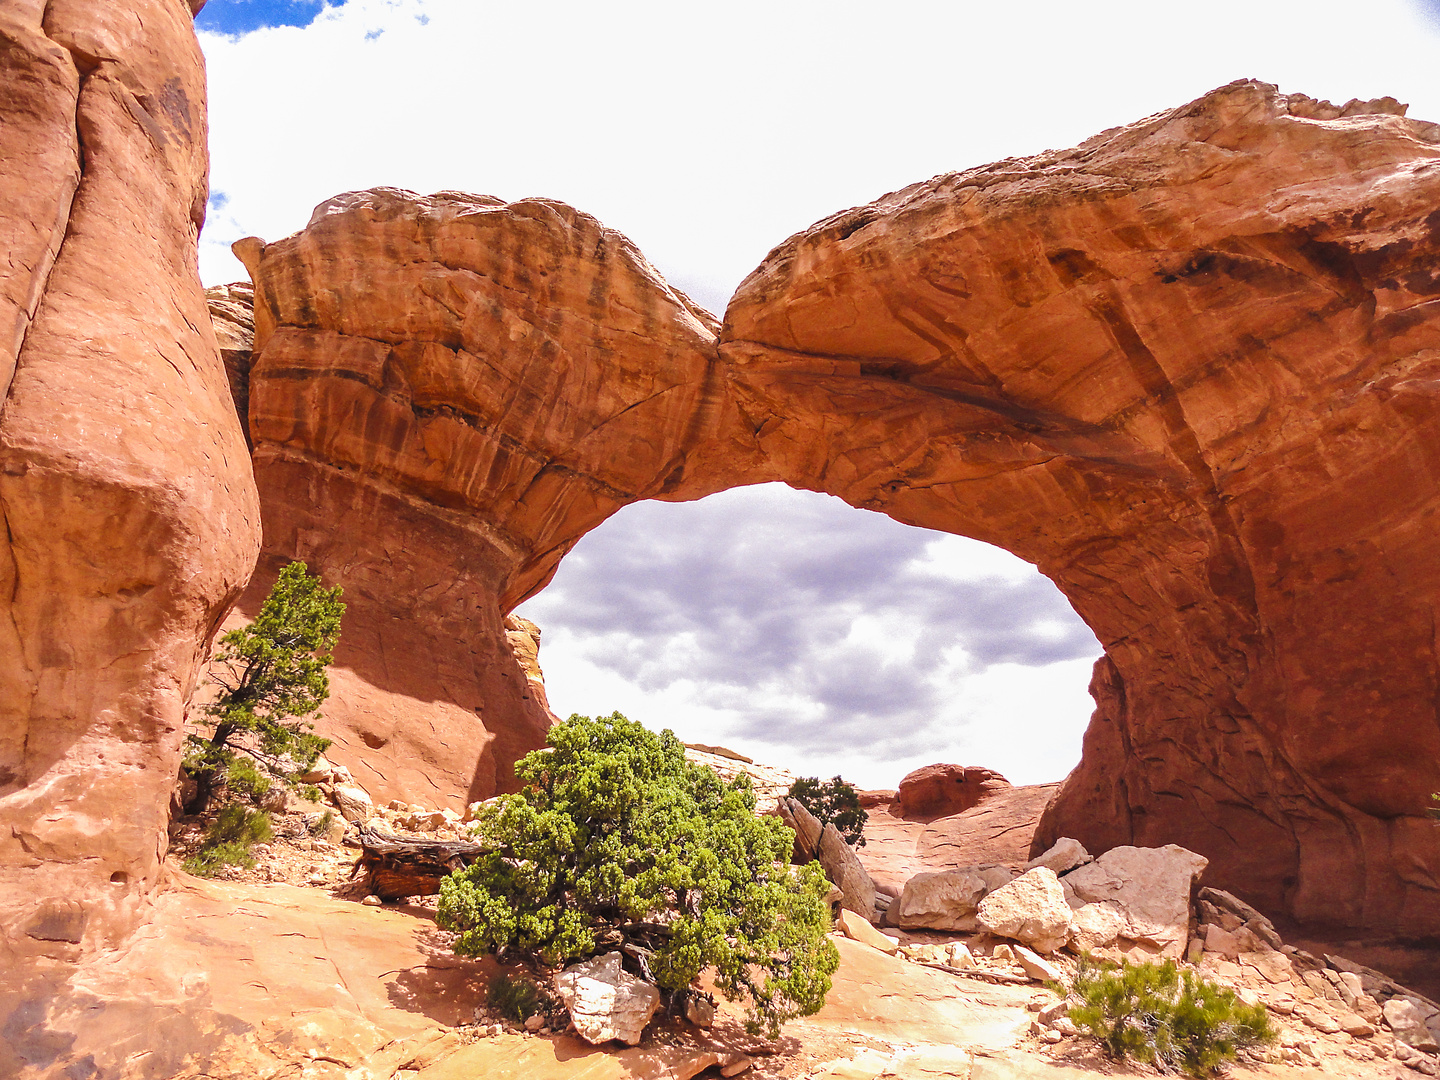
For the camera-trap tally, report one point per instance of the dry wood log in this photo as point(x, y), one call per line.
point(395, 867)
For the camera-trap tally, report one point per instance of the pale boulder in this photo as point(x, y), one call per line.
point(1063, 855)
point(1152, 886)
point(1413, 1023)
point(605, 1001)
point(1097, 926)
point(1031, 910)
point(1035, 966)
point(947, 900)
point(858, 929)
point(353, 802)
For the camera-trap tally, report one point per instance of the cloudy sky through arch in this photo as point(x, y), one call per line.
point(806, 633)
point(709, 132)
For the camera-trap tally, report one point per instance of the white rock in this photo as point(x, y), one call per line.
point(1152, 886)
point(353, 802)
point(1065, 854)
point(858, 929)
point(322, 772)
point(947, 900)
point(1097, 926)
point(605, 1001)
point(1035, 966)
point(1031, 910)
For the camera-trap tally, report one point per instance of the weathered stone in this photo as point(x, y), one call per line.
point(1151, 886)
point(838, 860)
point(446, 393)
point(1411, 1023)
point(1031, 910)
point(940, 790)
point(1064, 855)
point(947, 900)
point(1158, 366)
point(353, 802)
point(128, 518)
point(700, 1010)
point(605, 1001)
point(1097, 926)
point(804, 824)
point(859, 929)
point(1037, 967)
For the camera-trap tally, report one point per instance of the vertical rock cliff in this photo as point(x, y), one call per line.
point(446, 393)
point(128, 515)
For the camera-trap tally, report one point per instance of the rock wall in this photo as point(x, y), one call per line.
point(446, 393)
point(130, 520)
point(1191, 369)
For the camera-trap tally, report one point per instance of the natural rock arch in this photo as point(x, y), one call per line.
point(1186, 368)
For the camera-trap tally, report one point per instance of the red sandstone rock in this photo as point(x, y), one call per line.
point(995, 832)
point(129, 514)
point(933, 791)
point(1191, 369)
point(447, 392)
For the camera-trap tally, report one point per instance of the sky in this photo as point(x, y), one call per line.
point(781, 623)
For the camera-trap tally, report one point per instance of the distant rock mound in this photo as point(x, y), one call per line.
point(934, 791)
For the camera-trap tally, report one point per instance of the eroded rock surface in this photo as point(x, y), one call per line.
point(128, 517)
point(446, 393)
point(1189, 369)
point(933, 791)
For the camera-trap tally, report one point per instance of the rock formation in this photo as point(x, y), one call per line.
point(1189, 369)
point(933, 791)
point(1184, 368)
point(129, 515)
point(446, 393)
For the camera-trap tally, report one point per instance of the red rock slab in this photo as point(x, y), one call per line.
point(997, 832)
point(1189, 369)
point(130, 520)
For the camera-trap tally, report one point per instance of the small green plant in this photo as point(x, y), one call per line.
point(833, 802)
point(1159, 1015)
point(271, 676)
point(514, 997)
point(228, 839)
point(1434, 811)
point(618, 843)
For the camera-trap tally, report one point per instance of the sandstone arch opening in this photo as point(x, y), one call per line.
point(818, 638)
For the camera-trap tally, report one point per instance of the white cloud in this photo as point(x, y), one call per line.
point(810, 634)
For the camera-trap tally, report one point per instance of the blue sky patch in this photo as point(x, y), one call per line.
point(242, 16)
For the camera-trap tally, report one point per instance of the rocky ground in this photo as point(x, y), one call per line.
point(287, 968)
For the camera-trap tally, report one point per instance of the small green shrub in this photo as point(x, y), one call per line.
point(243, 778)
point(228, 839)
point(514, 997)
point(833, 802)
point(1159, 1015)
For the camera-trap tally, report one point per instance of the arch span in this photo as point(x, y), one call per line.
point(1188, 368)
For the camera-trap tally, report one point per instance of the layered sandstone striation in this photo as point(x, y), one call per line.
point(1191, 369)
point(446, 393)
point(130, 520)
